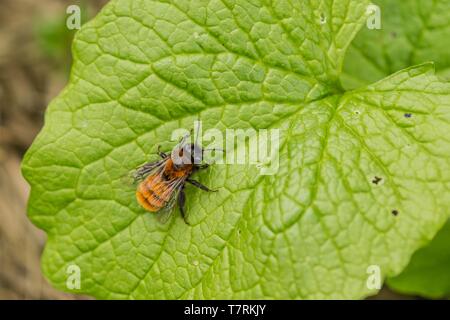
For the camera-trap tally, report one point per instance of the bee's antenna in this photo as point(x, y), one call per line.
point(214, 149)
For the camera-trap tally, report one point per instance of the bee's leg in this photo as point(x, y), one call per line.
point(181, 203)
point(161, 154)
point(197, 184)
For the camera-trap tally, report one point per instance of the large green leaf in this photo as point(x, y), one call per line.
point(428, 273)
point(145, 68)
point(412, 32)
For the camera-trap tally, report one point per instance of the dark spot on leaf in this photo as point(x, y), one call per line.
point(394, 34)
point(376, 180)
point(408, 115)
point(394, 212)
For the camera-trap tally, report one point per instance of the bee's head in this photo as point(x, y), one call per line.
point(189, 153)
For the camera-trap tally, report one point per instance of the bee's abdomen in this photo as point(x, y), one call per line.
point(153, 193)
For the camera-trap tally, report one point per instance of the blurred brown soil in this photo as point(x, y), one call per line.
point(29, 79)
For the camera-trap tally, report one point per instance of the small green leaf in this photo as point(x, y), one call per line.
point(428, 274)
point(412, 32)
point(143, 69)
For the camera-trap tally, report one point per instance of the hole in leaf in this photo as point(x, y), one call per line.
point(376, 180)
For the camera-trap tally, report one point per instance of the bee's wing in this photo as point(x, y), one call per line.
point(139, 174)
point(165, 213)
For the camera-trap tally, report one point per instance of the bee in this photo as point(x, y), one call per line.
point(162, 182)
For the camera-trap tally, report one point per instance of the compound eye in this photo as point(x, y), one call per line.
point(177, 157)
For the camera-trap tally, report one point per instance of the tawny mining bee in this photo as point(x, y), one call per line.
point(162, 182)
